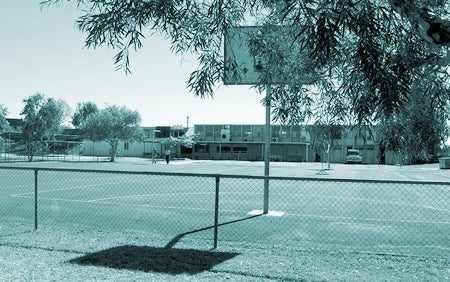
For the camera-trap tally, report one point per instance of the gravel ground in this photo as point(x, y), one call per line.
point(51, 254)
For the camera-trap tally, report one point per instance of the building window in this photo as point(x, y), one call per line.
point(226, 149)
point(202, 148)
point(209, 132)
point(236, 131)
point(126, 146)
point(240, 150)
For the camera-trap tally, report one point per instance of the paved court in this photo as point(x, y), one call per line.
point(425, 172)
point(326, 213)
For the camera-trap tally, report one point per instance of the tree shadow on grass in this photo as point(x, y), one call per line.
point(165, 260)
point(152, 259)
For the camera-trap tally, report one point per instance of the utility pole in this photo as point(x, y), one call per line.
point(267, 149)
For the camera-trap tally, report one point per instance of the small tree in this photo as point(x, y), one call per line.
point(330, 116)
point(112, 124)
point(4, 124)
point(42, 119)
point(324, 137)
point(186, 141)
point(83, 111)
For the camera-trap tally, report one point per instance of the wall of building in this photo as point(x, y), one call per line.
point(128, 149)
point(250, 133)
point(286, 152)
point(288, 143)
point(152, 138)
point(103, 149)
point(246, 142)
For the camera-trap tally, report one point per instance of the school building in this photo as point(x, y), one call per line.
point(289, 143)
point(246, 142)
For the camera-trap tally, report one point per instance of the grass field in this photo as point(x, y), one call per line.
point(329, 214)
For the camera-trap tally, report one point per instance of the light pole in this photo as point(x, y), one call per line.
point(267, 150)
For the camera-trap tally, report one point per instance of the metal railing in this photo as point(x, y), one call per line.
point(331, 214)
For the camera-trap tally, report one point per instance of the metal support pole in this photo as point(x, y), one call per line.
point(35, 199)
point(216, 212)
point(267, 150)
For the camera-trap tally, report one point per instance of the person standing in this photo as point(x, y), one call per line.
point(154, 155)
point(168, 155)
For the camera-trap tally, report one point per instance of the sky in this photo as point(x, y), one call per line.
point(42, 51)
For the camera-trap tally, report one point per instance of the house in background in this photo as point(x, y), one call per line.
point(154, 137)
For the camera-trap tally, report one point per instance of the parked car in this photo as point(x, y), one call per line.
point(353, 156)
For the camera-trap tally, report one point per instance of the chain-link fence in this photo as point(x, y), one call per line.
point(328, 214)
point(13, 148)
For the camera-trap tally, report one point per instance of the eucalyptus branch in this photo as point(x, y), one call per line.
point(429, 27)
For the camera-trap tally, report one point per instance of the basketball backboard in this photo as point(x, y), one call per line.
point(242, 65)
point(255, 55)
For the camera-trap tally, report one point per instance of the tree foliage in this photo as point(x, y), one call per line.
point(415, 133)
point(369, 50)
point(42, 119)
point(4, 124)
point(185, 141)
point(111, 124)
point(362, 57)
point(83, 111)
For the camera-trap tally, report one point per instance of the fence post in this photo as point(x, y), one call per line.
point(266, 196)
point(216, 212)
point(35, 198)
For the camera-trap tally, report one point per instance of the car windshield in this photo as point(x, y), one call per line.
point(352, 153)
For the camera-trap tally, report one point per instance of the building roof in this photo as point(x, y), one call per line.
point(15, 122)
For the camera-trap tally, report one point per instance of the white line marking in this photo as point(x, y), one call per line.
point(386, 202)
point(144, 195)
point(270, 213)
point(73, 187)
point(359, 219)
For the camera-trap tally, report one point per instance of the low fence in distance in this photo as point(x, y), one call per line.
point(398, 217)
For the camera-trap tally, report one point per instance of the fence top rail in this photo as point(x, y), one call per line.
point(324, 179)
